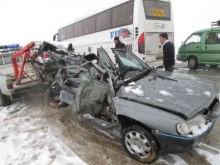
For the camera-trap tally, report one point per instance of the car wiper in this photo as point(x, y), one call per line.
point(156, 75)
point(135, 78)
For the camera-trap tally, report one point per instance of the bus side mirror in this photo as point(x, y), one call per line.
point(55, 36)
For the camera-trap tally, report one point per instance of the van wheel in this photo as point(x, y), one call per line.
point(4, 100)
point(192, 62)
point(139, 144)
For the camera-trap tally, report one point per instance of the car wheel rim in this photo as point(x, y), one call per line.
point(137, 144)
point(191, 63)
point(55, 95)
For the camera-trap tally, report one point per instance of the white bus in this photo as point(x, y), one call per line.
point(137, 23)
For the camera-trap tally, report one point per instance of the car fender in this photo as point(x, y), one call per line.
point(154, 118)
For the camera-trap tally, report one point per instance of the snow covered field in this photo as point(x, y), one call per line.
point(27, 139)
point(24, 141)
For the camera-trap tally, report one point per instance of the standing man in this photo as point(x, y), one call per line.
point(168, 52)
point(118, 43)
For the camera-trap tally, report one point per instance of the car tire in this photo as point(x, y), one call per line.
point(139, 144)
point(52, 95)
point(192, 62)
point(4, 100)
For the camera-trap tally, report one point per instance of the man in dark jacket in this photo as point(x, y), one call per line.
point(118, 43)
point(168, 52)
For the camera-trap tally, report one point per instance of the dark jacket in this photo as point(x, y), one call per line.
point(168, 54)
point(120, 45)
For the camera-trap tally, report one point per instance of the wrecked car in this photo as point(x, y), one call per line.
point(152, 112)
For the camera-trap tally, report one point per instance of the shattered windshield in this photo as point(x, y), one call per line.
point(130, 60)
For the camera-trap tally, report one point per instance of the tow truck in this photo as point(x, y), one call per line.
point(16, 73)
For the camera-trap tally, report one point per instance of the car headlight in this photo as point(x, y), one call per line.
point(191, 126)
point(197, 121)
point(183, 129)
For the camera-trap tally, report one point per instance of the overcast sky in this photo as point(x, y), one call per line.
point(23, 21)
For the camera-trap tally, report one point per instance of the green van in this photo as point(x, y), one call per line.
point(201, 48)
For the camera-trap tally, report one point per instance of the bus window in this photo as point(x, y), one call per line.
point(157, 10)
point(123, 14)
point(78, 29)
point(103, 20)
point(89, 25)
point(62, 34)
point(69, 32)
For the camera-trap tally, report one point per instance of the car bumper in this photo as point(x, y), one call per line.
point(178, 144)
point(182, 58)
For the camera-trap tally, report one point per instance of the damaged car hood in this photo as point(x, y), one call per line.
point(180, 94)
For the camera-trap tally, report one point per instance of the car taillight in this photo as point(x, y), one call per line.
point(9, 84)
point(45, 56)
point(141, 44)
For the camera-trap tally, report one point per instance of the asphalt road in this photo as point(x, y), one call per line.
point(203, 72)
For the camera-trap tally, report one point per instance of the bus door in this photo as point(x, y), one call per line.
point(153, 45)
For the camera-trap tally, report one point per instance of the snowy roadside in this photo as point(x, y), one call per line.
point(25, 141)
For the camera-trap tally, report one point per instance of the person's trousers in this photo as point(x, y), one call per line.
point(169, 68)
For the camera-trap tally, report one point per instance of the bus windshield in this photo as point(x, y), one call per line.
point(157, 10)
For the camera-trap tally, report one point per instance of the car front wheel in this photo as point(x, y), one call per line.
point(139, 144)
point(53, 94)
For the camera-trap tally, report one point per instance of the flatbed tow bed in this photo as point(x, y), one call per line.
point(9, 90)
point(18, 78)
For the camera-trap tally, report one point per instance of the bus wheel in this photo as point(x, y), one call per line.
point(192, 62)
point(4, 100)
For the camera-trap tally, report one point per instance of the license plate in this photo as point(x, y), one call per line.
point(158, 13)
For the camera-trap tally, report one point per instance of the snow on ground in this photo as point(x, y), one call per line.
point(4, 112)
point(137, 91)
point(213, 159)
point(26, 140)
point(171, 159)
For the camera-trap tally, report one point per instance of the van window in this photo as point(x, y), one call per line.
point(195, 38)
point(210, 38)
point(217, 39)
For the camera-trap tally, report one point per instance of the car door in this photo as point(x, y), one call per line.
point(210, 48)
point(126, 59)
point(104, 58)
point(191, 47)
